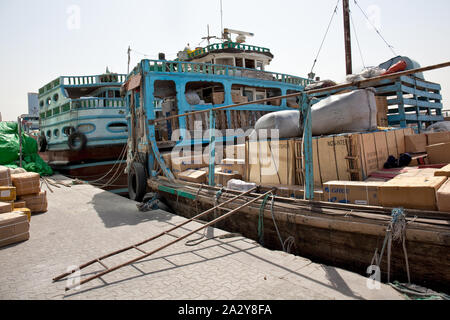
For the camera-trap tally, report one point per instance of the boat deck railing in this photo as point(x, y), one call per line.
point(165, 66)
point(227, 45)
point(94, 80)
point(82, 104)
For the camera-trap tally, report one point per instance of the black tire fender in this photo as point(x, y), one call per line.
point(137, 181)
point(42, 143)
point(72, 138)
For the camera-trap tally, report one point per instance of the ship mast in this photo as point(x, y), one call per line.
point(347, 38)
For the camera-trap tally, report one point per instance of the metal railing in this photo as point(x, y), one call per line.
point(224, 70)
point(85, 103)
point(102, 79)
point(226, 45)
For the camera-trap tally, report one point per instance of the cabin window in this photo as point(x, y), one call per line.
point(250, 64)
point(294, 101)
point(203, 93)
point(56, 133)
point(274, 92)
point(249, 93)
point(225, 61)
point(55, 97)
point(86, 128)
point(66, 131)
point(260, 94)
point(49, 133)
point(118, 127)
point(259, 65)
point(41, 103)
point(239, 62)
point(48, 101)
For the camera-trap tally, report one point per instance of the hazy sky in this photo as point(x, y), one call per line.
point(43, 39)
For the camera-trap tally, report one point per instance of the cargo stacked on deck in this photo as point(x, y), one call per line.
point(20, 196)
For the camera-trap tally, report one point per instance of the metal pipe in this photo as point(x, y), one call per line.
point(171, 242)
point(154, 237)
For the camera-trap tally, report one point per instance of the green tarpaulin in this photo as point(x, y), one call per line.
point(10, 146)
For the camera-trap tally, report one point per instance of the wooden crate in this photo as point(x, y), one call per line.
point(410, 100)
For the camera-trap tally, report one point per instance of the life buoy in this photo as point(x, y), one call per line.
point(137, 181)
point(72, 141)
point(42, 143)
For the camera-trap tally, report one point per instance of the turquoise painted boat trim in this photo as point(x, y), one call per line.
point(123, 190)
point(93, 164)
point(84, 118)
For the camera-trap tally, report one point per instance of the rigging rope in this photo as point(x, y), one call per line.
point(356, 37)
point(326, 32)
point(376, 30)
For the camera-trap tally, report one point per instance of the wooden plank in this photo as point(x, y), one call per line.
point(381, 148)
point(316, 165)
point(391, 142)
point(368, 152)
point(341, 150)
point(327, 159)
point(400, 140)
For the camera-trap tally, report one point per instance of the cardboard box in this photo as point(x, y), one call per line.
point(198, 176)
point(36, 202)
point(233, 166)
point(19, 204)
point(443, 197)
point(355, 192)
point(234, 151)
point(180, 164)
point(439, 153)
point(14, 227)
point(438, 137)
point(5, 176)
point(411, 192)
point(6, 207)
point(218, 97)
point(382, 110)
point(415, 143)
point(443, 172)
point(271, 162)
point(7, 193)
point(222, 178)
point(237, 98)
point(26, 183)
point(25, 211)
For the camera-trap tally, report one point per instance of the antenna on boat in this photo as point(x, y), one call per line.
point(208, 37)
point(221, 20)
point(128, 68)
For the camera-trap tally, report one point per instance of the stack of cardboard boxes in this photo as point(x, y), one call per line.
point(195, 168)
point(20, 196)
point(433, 147)
point(14, 217)
point(415, 188)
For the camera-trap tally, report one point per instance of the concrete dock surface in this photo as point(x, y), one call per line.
point(84, 222)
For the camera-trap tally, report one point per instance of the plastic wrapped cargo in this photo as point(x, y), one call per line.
point(354, 111)
point(239, 185)
point(286, 122)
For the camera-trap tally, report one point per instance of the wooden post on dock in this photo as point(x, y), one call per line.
point(347, 38)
